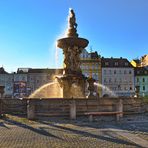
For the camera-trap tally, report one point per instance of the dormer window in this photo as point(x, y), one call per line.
point(126, 64)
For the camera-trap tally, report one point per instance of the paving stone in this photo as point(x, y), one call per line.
point(63, 133)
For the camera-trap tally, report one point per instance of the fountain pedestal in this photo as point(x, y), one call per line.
point(72, 81)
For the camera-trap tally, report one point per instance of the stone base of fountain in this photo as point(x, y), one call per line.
point(72, 85)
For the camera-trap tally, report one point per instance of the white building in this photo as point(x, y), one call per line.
point(6, 81)
point(117, 77)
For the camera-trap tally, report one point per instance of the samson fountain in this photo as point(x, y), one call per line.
point(72, 83)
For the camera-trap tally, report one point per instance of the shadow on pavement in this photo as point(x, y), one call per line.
point(108, 137)
point(40, 131)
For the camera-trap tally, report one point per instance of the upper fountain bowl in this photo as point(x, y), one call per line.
point(72, 41)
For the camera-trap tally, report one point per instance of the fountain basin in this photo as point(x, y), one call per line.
point(72, 41)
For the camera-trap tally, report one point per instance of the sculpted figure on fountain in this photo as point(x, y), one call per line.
point(72, 19)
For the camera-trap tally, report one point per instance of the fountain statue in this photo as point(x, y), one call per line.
point(72, 81)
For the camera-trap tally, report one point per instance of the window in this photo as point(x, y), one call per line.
point(130, 88)
point(114, 71)
point(124, 71)
point(143, 87)
point(115, 80)
point(116, 63)
point(119, 87)
point(137, 79)
point(143, 80)
point(104, 79)
point(110, 80)
point(130, 72)
point(129, 80)
point(104, 71)
point(126, 64)
point(96, 77)
point(110, 72)
point(97, 66)
point(120, 80)
point(106, 63)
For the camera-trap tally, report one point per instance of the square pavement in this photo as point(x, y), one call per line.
point(60, 132)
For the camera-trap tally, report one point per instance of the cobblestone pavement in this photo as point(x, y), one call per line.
point(63, 133)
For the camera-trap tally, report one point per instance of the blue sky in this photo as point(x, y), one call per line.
point(29, 29)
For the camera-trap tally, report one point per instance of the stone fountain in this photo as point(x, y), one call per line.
point(72, 84)
point(72, 81)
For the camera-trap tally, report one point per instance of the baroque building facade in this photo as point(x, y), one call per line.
point(117, 77)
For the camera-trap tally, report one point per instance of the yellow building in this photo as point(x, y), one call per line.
point(142, 62)
point(91, 66)
point(136, 63)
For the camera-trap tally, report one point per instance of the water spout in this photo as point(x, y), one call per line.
point(106, 89)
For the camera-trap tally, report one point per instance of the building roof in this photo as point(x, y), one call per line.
point(144, 60)
point(141, 71)
point(22, 70)
point(2, 71)
point(94, 55)
point(137, 61)
point(115, 62)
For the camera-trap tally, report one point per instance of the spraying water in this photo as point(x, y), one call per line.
point(56, 55)
point(49, 90)
point(106, 89)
